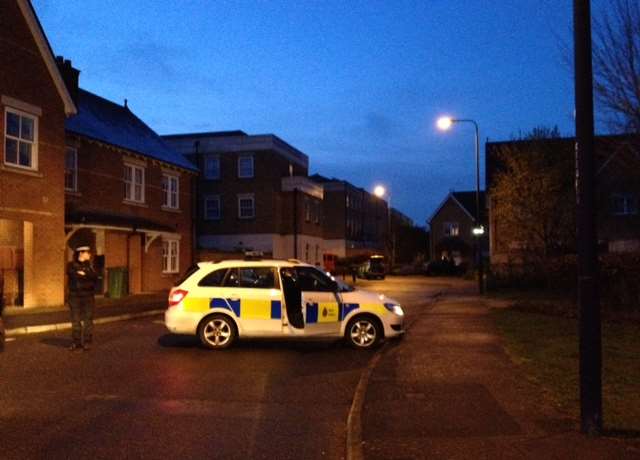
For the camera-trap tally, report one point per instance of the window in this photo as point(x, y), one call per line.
point(20, 139)
point(212, 167)
point(71, 169)
point(245, 166)
point(306, 252)
point(451, 229)
point(134, 183)
point(317, 214)
point(170, 190)
point(246, 206)
point(212, 209)
point(213, 279)
point(170, 256)
point(251, 277)
point(623, 204)
point(307, 210)
point(312, 279)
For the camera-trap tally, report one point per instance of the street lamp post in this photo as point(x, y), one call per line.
point(380, 191)
point(445, 123)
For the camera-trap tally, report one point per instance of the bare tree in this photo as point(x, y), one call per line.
point(616, 64)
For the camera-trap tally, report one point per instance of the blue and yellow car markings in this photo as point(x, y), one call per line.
point(196, 304)
point(328, 312)
point(276, 309)
point(347, 308)
point(312, 313)
point(227, 304)
point(323, 312)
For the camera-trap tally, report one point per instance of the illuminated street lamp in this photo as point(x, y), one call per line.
point(444, 124)
point(380, 191)
point(478, 231)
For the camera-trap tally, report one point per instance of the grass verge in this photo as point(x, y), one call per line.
point(547, 348)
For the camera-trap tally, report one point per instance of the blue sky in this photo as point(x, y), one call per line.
point(355, 85)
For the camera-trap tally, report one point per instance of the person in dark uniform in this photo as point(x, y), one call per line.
point(82, 282)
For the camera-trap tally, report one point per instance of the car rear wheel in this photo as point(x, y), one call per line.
point(364, 332)
point(217, 332)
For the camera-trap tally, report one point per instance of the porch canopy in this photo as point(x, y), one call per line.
point(79, 220)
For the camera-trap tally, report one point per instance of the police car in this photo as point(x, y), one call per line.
point(221, 302)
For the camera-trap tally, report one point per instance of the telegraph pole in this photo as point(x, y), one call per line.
point(588, 299)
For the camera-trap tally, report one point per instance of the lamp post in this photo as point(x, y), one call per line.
point(444, 124)
point(380, 191)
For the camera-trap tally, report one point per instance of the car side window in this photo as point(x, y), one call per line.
point(213, 279)
point(311, 279)
point(257, 277)
point(232, 279)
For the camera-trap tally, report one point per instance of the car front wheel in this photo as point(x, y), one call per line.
point(217, 332)
point(364, 332)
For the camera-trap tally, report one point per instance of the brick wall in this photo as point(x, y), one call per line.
point(101, 190)
point(35, 197)
point(269, 169)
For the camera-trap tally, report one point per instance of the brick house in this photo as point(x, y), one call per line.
point(617, 190)
point(355, 221)
point(128, 194)
point(451, 227)
point(34, 102)
point(253, 195)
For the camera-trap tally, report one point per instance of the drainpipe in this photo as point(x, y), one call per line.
point(295, 222)
point(195, 203)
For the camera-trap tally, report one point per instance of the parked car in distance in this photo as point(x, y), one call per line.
point(374, 268)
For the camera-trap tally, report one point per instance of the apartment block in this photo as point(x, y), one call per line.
point(253, 194)
point(356, 222)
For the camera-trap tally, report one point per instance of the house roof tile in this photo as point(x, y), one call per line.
point(108, 122)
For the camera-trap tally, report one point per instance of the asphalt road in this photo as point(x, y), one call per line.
point(143, 393)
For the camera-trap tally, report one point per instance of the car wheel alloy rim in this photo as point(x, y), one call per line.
point(217, 332)
point(363, 333)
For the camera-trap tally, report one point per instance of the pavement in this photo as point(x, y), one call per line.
point(18, 321)
point(449, 390)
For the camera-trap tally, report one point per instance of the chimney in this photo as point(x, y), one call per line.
point(70, 75)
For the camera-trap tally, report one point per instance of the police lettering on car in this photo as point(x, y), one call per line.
point(221, 302)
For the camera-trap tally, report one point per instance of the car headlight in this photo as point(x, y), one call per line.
point(394, 308)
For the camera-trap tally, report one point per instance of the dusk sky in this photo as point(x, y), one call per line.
point(355, 85)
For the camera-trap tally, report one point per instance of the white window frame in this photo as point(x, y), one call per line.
point(247, 196)
point(246, 176)
point(170, 256)
point(132, 183)
point(74, 188)
point(208, 158)
point(449, 226)
point(33, 143)
point(206, 213)
point(167, 193)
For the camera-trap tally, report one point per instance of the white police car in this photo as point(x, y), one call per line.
point(220, 302)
